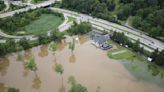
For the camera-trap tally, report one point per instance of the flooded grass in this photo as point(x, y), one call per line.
point(138, 65)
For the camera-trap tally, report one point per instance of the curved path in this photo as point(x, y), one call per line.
point(7, 6)
point(64, 26)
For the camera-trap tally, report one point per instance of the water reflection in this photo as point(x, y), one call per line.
point(25, 72)
point(72, 58)
point(43, 51)
point(4, 64)
point(62, 88)
point(3, 88)
point(83, 39)
point(20, 56)
point(36, 82)
point(28, 54)
point(62, 45)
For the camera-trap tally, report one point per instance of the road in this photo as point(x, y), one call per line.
point(131, 33)
point(99, 23)
point(44, 4)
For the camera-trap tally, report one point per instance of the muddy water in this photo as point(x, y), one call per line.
point(90, 66)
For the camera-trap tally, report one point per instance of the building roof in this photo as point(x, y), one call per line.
point(100, 38)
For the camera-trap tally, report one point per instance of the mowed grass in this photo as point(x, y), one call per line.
point(125, 55)
point(71, 19)
point(45, 23)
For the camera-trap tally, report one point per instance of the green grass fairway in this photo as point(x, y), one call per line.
point(45, 23)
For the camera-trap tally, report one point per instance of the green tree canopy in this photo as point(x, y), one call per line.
point(31, 65)
point(59, 68)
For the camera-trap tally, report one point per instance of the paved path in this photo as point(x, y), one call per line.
point(119, 52)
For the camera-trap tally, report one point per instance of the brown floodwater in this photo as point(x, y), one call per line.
point(89, 65)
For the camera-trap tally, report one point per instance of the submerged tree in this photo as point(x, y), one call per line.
point(12, 90)
point(72, 45)
point(31, 65)
point(59, 69)
point(53, 47)
point(75, 87)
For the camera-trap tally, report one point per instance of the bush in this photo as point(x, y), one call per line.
point(81, 28)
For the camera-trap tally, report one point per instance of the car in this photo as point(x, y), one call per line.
point(105, 46)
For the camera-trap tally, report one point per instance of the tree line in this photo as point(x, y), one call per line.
point(97, 8)
point(36, 1)
point(18, 21)
point(156, 56)
point(24, 44)
point(148, 15)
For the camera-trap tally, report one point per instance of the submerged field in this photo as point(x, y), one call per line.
point(89, 65)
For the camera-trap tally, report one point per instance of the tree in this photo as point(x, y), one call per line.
point(72, 45)
point(59, 68)
point(24, 43)
point(3, 50)
point(2, 5)
point(75, 87)
point(82, 28)
point(78, 88)
point(125, 11)
point(97, 8)
point(53, 47)
point(12, 90)
point(43, 39)
point(154, 54)
point(159, 59)
point(31, 65)
point(71, 80)
point(56, 35)
point(136, 21)
point(11, 45)
point(136, 46)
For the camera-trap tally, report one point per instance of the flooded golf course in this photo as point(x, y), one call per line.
point(89, 65)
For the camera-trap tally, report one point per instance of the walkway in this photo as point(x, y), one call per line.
point(119, 52)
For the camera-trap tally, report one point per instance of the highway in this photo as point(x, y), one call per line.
point(103, 24)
